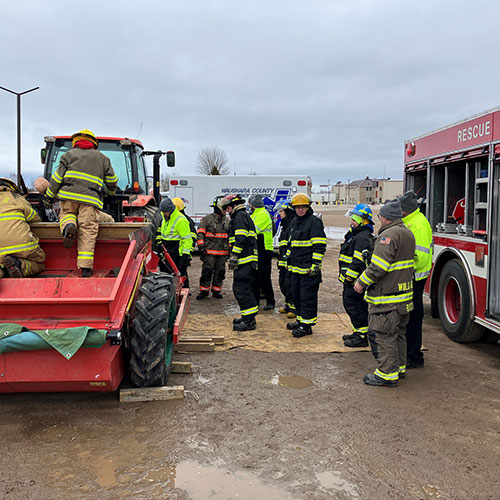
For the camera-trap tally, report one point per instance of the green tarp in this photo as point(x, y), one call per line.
point(66, 341)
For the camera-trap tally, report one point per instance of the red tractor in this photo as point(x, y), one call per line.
point(132, 313)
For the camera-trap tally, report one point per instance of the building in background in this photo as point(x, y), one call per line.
point(367, 190)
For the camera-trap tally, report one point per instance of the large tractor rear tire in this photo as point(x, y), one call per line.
point(150, 344)
point(456, 304)
point(148, 212)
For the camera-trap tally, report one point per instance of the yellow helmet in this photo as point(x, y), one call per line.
point(179, 203)
point(9, 184)
point(86, 134)
point(301, 199)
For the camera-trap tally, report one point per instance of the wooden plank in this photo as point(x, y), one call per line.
point(194, 347)
point(152, 393)
point(181, 367)
point(216, 339)
point(107, 231)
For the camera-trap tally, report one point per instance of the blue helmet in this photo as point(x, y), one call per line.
point(363, 211)
point(283, 204)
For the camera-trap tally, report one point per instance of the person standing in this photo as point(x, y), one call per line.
point(243, 261)
point(388, 281)
point(82, 177)
point(181, 206)
point(287, 215)
point(20, 252)
point(307, 246)
point(418, 224)
point(172, 232)
point(213, 244)
point(358, 244)
point(264, 229)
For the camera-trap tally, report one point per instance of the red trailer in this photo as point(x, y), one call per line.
point(142, 312)
point(456, 172)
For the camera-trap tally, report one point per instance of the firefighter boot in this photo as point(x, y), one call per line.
point(217, 295)
point(302, 331)
point(69, 235)
point(348, 336)
point(13, 266)
point(237, 320)
point(284, 310)
point(245, 325)
point(356, 341)
point(372, 379)
point(202, 295)
point(86, 272)
point(293, 326)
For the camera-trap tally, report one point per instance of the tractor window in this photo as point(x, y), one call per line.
point(141, 172)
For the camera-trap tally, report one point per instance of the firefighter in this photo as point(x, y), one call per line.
point(20, 253)
point(418, 224)
point(174, 234)
point(357, 245)
point(243, 261)
point(388, 281)
point(81, 178)
point(214, 248)
point(264, 229)
point(287, 215)
point(181, 206)
point(307, 245)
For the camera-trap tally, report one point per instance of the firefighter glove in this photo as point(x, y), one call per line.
point(184, 261)
point(47, 202)
point(314, 270)
point(233, 262)
point(202, 249)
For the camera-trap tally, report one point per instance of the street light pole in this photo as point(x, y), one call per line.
point(19, 94)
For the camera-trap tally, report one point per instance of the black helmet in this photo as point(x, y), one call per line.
point(216, 200)
point(9, 184)
point(235, 199)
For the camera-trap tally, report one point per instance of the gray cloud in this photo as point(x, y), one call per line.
point(330, 88)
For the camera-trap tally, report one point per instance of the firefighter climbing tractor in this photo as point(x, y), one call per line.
point(455, 171)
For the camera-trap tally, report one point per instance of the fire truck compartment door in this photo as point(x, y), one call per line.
point(494, 250)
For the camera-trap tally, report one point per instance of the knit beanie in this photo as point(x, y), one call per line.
point(167, 205)
point(392, 209)
point(256, 201)
point(409, 202)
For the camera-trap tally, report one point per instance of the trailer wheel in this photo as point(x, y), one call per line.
point(150, 344)
point(456, 304)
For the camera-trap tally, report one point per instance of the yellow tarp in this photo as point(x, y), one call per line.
point(271, 334)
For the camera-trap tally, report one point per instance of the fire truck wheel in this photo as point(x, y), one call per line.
point(456, 304)
point(150, 344)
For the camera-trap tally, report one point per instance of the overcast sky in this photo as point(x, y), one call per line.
point(329, 88)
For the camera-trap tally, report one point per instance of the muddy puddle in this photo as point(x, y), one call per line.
point(295, 381)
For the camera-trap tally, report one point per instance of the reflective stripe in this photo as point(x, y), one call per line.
point(91, 200)
point(70, 218)
point(232, 239)
point(216, 288)
point(216, 235)
point(19, 248)
point(202, 230)
point(383, 264)
point(56, 177)
point(301, 243)
point(236, 249)
point(362, 330)
point(251, 310)
point(13, 216)
point(110, 178)
point(341, 278)
point(311, 321)
point(358, 255)
point(241, 232)
point(420, 276)
point(246, 260)
point(402, 264)
point(365, 279)
point(317, 256)
point(387, 376)
point(345, 258)
point(73, 174)
point(217, 252)
point(50, 193)
point(281, 263)
point(85, 255)
point(423, 249)
point(299, 270)
point(318, 240)
point(402, 369)
point(204, 288)
point(351, 273)
point(389, 299)
point(283, 243)
point(31, 215)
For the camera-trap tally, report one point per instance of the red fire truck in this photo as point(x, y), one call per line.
point(456, 172)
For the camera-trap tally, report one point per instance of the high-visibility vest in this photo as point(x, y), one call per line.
point(176, 229)
point(418, 224)
point(263, 225)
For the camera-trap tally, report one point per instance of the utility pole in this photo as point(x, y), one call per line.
point(19, 94)
point(329, 189)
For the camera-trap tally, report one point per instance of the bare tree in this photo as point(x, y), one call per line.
point(212, 161)
point(164, 182)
